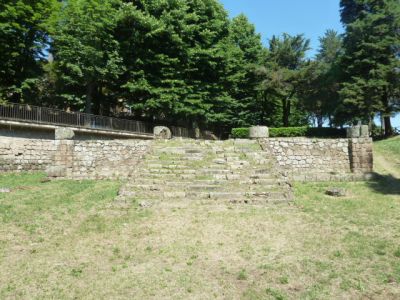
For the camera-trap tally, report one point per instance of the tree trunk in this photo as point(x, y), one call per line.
point(386, 117)
point(388, 126)
point(286, 112)
point(262, 116)
point(320, 121)
point(89, 97)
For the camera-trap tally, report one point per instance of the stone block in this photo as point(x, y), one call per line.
point(62, 133)
point(353, 132)
point(364, 131)
point(162, 132)
point(258, 132)
point(56, 171)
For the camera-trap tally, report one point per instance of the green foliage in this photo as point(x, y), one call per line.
point(294, 132)
point(280, 77)
point(319, 85)
point(181, 62)
point(23, 38)
point(288, 131)
point(186, 63)
point(86, 56)
point(246, 55)
point(240, 133)
point(307, 132)
point(371, 59)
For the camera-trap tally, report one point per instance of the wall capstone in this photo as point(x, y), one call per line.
point(258, 132)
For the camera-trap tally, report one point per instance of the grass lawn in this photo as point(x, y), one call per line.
point(63, 240)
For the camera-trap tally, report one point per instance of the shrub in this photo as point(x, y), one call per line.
point(306, 131)
point(288, 131)
point(294, 132)
point(240, 133)
point(326, 132)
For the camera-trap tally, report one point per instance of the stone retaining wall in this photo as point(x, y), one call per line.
point(307, 159)
point(304, 159)
point(107, 159)
point(26, 154)
point(72, 159)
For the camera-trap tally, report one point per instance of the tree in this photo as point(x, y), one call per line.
point(371, 59)
point(282, 75)
point(246, 57)
point(86, 54)
point(23, 40)
point(320, 83)
point(178, 60)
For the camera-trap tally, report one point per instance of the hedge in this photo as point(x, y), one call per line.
point(240, 133)
point(294, 132)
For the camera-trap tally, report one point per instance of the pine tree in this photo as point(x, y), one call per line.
point(178, 59)
point(281, 77)
point(371, 59)
point(247, 57)
point(320, 80)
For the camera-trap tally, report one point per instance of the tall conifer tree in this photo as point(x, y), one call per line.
point(371, 59)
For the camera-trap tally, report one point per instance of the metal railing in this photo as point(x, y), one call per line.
point(51, 116)
point(182, 132)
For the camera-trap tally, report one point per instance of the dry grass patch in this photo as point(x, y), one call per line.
point(64, 239)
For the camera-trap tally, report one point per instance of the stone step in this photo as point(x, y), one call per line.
point(178, 186)
point(209, 195)
point(261, 176)
point(183, 167)
point(170, 181)
point(225, 171)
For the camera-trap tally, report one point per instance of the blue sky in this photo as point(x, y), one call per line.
point(310, 17)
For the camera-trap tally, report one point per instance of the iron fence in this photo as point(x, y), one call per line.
point(183, 132)
point(51, 116)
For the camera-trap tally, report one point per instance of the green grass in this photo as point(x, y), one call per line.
point(388, 156)
point(390, 146)
point(63, 240)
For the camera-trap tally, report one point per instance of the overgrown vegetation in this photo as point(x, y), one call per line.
point(186, 63)
point(64, 239)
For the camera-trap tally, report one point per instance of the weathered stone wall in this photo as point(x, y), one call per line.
point(303, 159)
point(72, 159)
point(361, 155)
point(307, 159)
point(107, 159)
point(26, 154)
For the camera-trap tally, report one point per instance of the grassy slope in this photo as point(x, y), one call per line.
point(62, 240)
point(387, 156)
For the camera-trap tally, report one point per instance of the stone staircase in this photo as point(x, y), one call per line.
point(233, 171)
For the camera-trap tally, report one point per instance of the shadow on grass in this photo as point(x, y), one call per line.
point(385, 184)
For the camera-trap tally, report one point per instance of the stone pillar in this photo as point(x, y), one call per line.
point(361, 155)
point(353, 132)
point(161, 132)
point(364, 131)
point(258, 132)
point(63, 161)
point(358, 131)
